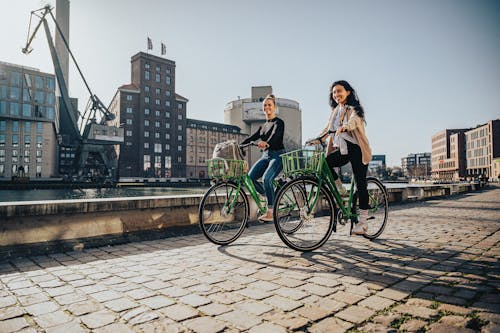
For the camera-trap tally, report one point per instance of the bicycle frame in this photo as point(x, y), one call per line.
point(325, 175)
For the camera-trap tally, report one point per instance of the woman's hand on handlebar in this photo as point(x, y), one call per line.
point(313, 142)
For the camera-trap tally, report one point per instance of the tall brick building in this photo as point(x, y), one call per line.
point(153, 117)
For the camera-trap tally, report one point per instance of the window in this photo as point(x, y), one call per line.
point(50, 83)
point(3, 107)
point(157, 77)
point(15, 140)
point(39, 96)
point(39, 127)
point(38, 171)
point(26, 110)
point(167, 136)
point(167, 93)
point(167, 70)
point(129, 121)
point(146, 75)
point(179, 137)
point(38, 82)
point(147, 66)
point(14, 109)
point(167, 125)
point(157, 113)
point(146, 99)
point(179, 116)
point(128, 133)
point(27, 127)
point(39, 141)
point(146, 122)
point(146, 89)
point(146, 134)
point(157, 124)
point(168, 162)
point(15, 78)
point(158, 91)
point(157, 135)
point(167, 79)
point(50, 99)
point(146, 145)
point(129, 110)
point(158, 68)
point(146, 111)
point(167, 147)
point(179, 148)
point(157, 147)
point(129, 97)
point(128, 143)
point(157, 101)
point(26, 95)
point(3, 125)
point(15, 126)
point(14, 93)
point(50, 112)
point(38, 153)
point(179, 106)
point(167, 103)
point(167, 114)
point(147, 162)
point(179, 127)
point(2, 140)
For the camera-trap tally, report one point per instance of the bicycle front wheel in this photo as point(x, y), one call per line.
point(303, 214)
point(223, 213)
point(378, 211)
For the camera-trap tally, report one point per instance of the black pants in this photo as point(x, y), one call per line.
point(354, 156)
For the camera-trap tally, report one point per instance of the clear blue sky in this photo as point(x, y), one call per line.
point(418, 66)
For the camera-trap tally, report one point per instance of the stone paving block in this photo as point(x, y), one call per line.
point(69, 327)
point(443, 328)
point(41, 308)
point(27, 291)
point(453, 320)
point(324, 281)
point(58, 291)
point(240, 319)
point(313, 313)
point(346, 297)
point(194, 300)
point(451, 299)
point(290, 320)
point(214, 309)
point(106, 295)
point(52, 319)
point(412, 325)
point(205, 325)
point(70, 298)
point(179, 312)
point(7, 301)
point(114, 328)
point(396, 295)
point(416, 311)
point(267, 328)
point(257, 294)
point(317, 289)
point(157, 302)
point(139, 293)
point(355, 314)
point(81, 308)
point(11, 312)
point(120, 304)
point(162, 325)
point(13, 325)
point(283, 303)
point(174, 291)
point(292, 293)
point(98, 319)
point(376, 302)
point(329, 325)
point(143, 318)
point(226, 298)
point(253, 307)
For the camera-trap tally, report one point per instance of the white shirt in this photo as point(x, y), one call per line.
point(340, 140)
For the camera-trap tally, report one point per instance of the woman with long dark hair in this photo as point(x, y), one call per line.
point(347, 142)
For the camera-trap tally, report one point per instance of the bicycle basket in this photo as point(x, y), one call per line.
point(301, 161)
point(226, 169)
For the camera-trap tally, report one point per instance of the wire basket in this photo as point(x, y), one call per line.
point(301, 161)
point(226, 169)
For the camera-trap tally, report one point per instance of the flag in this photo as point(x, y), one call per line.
point(163, 49)
point(150, 44)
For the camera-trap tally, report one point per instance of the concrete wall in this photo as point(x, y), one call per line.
point(39, 227)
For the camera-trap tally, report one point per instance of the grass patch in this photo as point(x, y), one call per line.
point(400, 321)
point(475, 322)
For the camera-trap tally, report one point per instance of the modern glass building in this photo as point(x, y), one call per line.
point(28, 121)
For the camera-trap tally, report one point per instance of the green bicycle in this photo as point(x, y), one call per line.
point(311, 205)
point(225, 208)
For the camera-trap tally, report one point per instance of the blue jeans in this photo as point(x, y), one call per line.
point(268, 167)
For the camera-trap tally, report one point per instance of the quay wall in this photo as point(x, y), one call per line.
point(29, 228)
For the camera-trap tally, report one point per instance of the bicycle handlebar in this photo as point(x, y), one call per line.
point(251, 143)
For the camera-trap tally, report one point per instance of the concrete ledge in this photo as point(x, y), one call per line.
point(74, 224)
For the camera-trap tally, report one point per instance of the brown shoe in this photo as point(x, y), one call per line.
point(268, 217)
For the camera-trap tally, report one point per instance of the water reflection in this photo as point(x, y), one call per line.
point(37, 195)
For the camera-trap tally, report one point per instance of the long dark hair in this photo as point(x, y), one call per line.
point(352, 98)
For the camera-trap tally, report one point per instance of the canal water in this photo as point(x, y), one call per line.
point(120, 192)
point(64, 194)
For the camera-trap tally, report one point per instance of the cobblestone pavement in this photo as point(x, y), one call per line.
point(435, 268)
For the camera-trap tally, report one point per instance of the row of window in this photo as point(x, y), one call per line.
point(129, 121)
point(26, 110)
point(147, 89)
point(29, 80)
point(147, 76)
point(38, 96)
point(26, 169)
point(157, 68)
point(15, 125)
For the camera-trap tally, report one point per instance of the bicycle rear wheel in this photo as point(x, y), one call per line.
point(223, 213)
point(303, 214)
point(379, 207)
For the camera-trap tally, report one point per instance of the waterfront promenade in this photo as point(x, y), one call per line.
point(434, 268)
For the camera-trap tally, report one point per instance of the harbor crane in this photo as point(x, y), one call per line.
point(88, 140)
